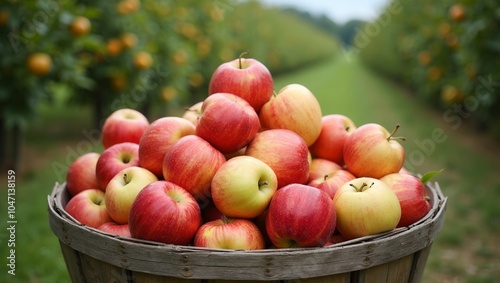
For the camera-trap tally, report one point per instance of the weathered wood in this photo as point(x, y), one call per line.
point(73, 264)
point(418, 266)
point(388, 254)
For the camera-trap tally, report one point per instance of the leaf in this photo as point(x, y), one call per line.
point(429, 175)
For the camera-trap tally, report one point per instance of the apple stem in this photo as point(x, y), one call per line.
point(390, 137)
point(360, 189)
point(263, 183)
point(125, 178)
point(347, 128)
point(325, 177)
point(427, 198)
point(241, 55)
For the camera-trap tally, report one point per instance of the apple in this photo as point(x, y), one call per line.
point(371, 151)
point(192, 163)
point(114, 159)
point(285, 152)
point(158, 138)
point(89, 208)
point(320, 167)
point(335, 128)
point(245, 77)
point(115, 229)
point(294, 108)
point(300, 216)
point(193, 113)
point(243, 187)
point(366, 206)
point(81, 174)
point(166, 213)
point(123, 125)
point(123, 189)
point(229, 233)
point(412, 196)
point(331, 182)
point(227, 122)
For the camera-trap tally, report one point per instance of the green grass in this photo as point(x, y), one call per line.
point(465, 251)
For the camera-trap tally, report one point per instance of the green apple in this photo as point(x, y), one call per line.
point(123, 189)
point(366, 206)
point(243, 187)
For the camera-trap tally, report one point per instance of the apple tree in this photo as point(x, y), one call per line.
point(37, 54)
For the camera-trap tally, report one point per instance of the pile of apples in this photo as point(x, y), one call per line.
point(247, 168)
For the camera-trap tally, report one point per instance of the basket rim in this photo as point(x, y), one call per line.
point(207, 263)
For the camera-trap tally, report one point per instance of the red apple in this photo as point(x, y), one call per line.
point(123, 125)
point(227, 122)
point(285, 152)
point(193, 113)
point(245, 77)
point(319, 167)
point(366, 206)
point(164, 212)
point(89, 208)
point(123, 189)
point(115, 229)
point(335, 129)
point(371, 151)
point(158, 138)
point(294, 108)
point(191, 163)
point(243, 187)
point(300, 216)
point(229, 233)
point(331, 182)
point(114, 159)
point(81, 174)
point(412, 196)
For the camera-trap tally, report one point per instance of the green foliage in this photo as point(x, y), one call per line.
point(446, 51)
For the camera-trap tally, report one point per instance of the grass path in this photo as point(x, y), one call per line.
point(467, 250)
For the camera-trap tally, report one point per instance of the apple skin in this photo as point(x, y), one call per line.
point(123, 189)
point(320, 167)
point(81, 174)
point(335, 128)
point(157, 140)
point(89, 208)
point(166, 213)
point(115, 229)
point(227, 122)
point(300, 216)
point(114, 159)
point(274, 148)
point(123, 125)
point(370, 151)
point(243, 187)
point(193, 113)
point(252, 82)
point(229, 233)
point(412, 196)
point(368, 208)
point(192, 163)
point(330, 183)
point(294, 108)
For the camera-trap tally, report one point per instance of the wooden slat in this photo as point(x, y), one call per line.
point(418, 267)
point(73, 264)
point(336, 278)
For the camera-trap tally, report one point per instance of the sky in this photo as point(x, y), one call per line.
point(339, 11)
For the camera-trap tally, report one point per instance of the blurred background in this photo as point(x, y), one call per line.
point(432, 66)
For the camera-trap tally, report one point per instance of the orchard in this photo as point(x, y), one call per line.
point(445, 53)
point(154, 56)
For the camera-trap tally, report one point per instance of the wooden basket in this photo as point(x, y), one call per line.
point(95, 256)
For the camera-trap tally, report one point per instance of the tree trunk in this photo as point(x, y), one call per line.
point(17, 145)
point(3, 140)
